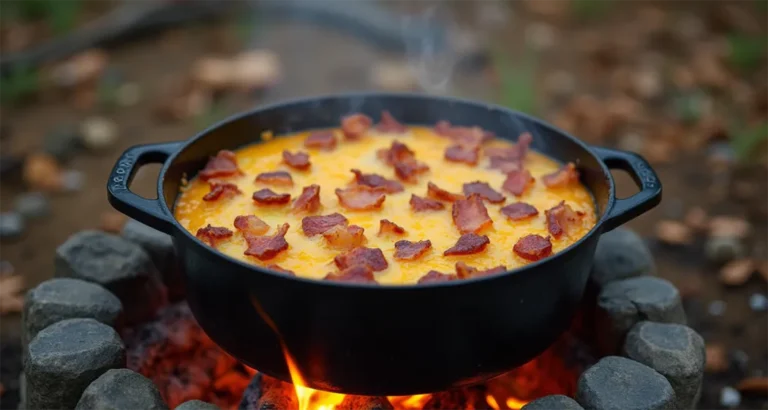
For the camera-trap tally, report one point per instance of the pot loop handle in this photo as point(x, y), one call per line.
point(644, 176)
point(147, 211)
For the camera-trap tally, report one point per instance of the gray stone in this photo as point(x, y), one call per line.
point(58, 299)
point(618, 383)
point(62, 143)
point(623, 303)
point(729, 397)
point(758, 302)
point(675, 351)
point(11, 225)
point(196, 405)
point(553, 402)
point(160, 248)
point(98, 133)
point(621, 254)
point(722, 249)
point(72, 180)
point(32, 205)
point(119, 265)
point(121, 389)
point(65, 357)
point(716, 308)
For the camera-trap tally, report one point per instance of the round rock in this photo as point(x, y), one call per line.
point(196, 405)
point(64, 358)
point(121, 389)
point(624, 303)
point(675, 351)
point(11, 225)
point(58, 299)
point(160, 248)
point(618, 383)
point(621, 254)
point(33, 205)
point(552, 402)
point(117, 264)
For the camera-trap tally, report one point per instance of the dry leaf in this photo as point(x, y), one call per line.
point(673, 233)
point(11, 296)
point(42, 172)
point(696, 218)
point(729, 226)
point(754, 385)
point(737, 272)
point(716, 360)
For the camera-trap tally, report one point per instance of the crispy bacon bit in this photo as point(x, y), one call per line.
point(267, 247)
point(388, 123)
point(299, 160)
point(377, 181)
point(517, 152)
point(267, 196)
point(251, 225)
point(213, 234)
point(355, 125)
point(407, 250)
point(519, 211)
point(461, 153)
point(469, 136)
point(517, 182)
point(435, 192)
point(223, 165)
point(308, 200)
point(419, 204)
point(403, 160)
point(388, 227)
point(468, 244)
point(277, 178)
point(371, 257)
point(360, 197)
point(280, 269)
point(506, 165)
point(564, 176)
point(396, 153)
point(434, 276)
point(533, 247)
point(323, 140)
point(345, 237)
point(561, 219)
point(354, 274)
point(464, 271)
point(470, 215)
point(408, 170)
point(219, 189)
point(484, 190)
point(315, 225)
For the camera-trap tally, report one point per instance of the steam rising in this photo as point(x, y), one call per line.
point(431, 60)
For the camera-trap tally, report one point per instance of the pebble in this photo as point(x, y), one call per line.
point(716, 361)
point(32, 205)
point(80, 68)
point(72, 180)
point(740, 360)
point(758, 302)
point(716, 308)
point(128, 94)
point(98, 133)
point(722, 249)
point(737, 272)
point(696, 218)
point(647, 83)
point(11, 225)
point(539, 36)
point(673, 233)
point(730, 397)
point(729, 226)
point(42, 172)
point(62, 143)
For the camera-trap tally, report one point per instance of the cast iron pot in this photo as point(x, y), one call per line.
point(381, 340)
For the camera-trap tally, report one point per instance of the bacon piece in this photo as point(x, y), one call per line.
point(506, 165)
point(533, 247)
point(267, 247)
point(377, 181)
point(361, 197)
point(354, 274)
point(278, 268)
point(355, 125)
point(468, 244)
point(564, 176)
point(223, 165)
point(403, 160)
point(213, 234)
point(519, 211)
point(398, 152)
point(484, 190)
point(419, 204)
point(388, 227)
point(434, 276)
point(408, 170)
point(435, 192)
point(461, 153)
point(407, 250)
point(470, 215)
point(267, 196)
point(345, 237)
point(308, 200)
point(518, 152)
point(517, 182)
point(464, 271)
point(219, 189)
point(371, 257)
point(299, 160)
point(251, 225)
point(315, 225)
point(561, 219)
point(323, 140)
point(277, 178)
point(388, 123)
point(469, 136)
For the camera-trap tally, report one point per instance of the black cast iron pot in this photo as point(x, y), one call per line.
point(381, 340)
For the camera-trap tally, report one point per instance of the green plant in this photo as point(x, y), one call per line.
point(215, 113)
point(20, 82)
point(746, 142)
point(746, 51)
point(518, 88)
point(589, 9)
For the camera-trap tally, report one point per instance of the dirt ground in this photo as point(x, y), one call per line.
point(321, 60)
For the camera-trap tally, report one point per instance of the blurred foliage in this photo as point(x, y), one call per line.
point(59, 15)
point(518, 82)
point(689, 106)
point(746, 142)
point(20, 82)
point(589, 9)
point(746, 51)
point(216, 112)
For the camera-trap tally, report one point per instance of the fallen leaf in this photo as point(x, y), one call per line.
point(696, 218)
point(42, 172)
point(737, 272)
point(673, 233)
point(11, 296)
point(716, 360)
point(754, 385)
point(729, 226)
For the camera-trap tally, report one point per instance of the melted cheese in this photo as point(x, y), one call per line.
point(312, 258)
